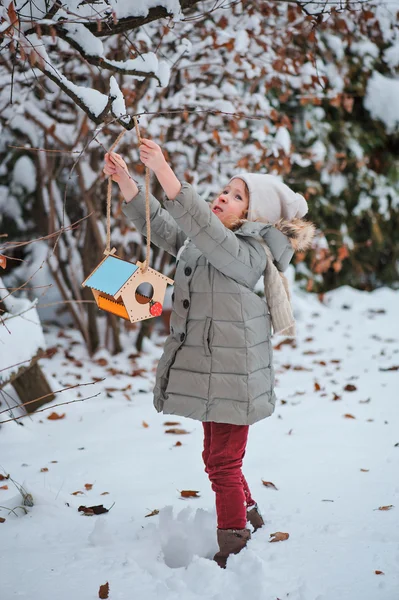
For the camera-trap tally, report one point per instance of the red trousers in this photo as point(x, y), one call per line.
point(224, 450)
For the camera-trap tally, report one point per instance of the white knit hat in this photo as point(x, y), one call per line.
point(271, 200)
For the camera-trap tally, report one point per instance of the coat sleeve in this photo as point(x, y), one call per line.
point(165, 233)
point(237, 257)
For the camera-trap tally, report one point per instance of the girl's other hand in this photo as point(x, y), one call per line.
point(151, 155)
point(116, 168)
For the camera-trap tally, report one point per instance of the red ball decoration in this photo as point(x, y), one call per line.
point(156, 309)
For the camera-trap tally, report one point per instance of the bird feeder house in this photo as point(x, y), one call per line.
point(126, 290)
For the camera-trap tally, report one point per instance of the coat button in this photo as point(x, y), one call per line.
point(182, 337)
point(186, 304)
point(188, 271)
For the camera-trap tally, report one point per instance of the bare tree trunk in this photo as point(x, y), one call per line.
point(91, 257)
point(145, 331)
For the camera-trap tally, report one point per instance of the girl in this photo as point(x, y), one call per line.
point(217, 361)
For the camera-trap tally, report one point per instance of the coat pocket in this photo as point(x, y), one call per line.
point(206, 336)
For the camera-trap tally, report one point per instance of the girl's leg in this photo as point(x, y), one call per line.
point(249, 500)
point(224, 462)
point(207, 444)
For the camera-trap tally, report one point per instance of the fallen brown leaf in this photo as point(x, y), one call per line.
point(388, 507)
point(3, 487)
point(114, 389)
point(103, 591)
point(176, 431)
point(279, 536)
point(89, 486)
point(138, 372)
point(4, 477)
point(55, 416)
point(145, 424)
point(102, 362)
point(365, 470)
point(77, 493)
point(349, 416)
point(171, 423)
point(44, 470)
point(336, 397)
point(178, 444)
point(93, 510)
point(104, 494)
point(317, 387)
point(2, 520)
point(379, 572)
point(49, 353)
point(269, 484)
point(286, 342)
point(112, 371)
point(395, 368)
point(153, 513)
point(189, 494)
point(350, 388)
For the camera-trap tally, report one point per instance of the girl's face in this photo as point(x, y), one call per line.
point(232, 202)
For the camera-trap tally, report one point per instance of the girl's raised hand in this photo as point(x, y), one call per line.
point(116, 168)
point(151, 155)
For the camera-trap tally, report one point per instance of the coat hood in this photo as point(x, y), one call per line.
point(299, 232)
point(283, 238)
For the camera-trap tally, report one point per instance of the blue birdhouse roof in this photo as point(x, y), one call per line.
point(110, 276)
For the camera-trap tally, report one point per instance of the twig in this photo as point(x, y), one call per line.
point(44, 149)
point(20, 288)
point(22, 362)
point(66, 302)
point(45, 237)
point(72, 387)
point(34, 287)
point(53, 406)
point(12, 510)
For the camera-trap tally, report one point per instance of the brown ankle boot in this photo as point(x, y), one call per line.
point(255, 518)
point(230, 541)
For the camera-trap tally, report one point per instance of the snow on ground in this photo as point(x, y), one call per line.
point(332, 473)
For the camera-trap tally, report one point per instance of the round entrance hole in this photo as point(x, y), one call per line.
point(144, 293)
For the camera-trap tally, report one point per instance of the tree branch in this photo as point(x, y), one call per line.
point(92, 59)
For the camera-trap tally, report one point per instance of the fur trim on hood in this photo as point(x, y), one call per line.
point(298, 231)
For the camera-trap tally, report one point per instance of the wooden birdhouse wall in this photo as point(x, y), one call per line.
point(135, 310)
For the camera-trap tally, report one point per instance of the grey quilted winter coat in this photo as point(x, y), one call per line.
point(217, 360)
